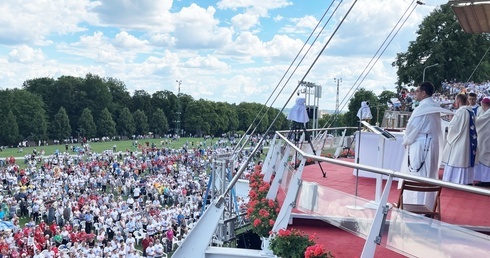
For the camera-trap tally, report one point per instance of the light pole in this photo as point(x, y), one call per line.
point(338, 81)
point(423, 74)
point(177, 124)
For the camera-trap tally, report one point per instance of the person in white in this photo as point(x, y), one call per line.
point(364, 113)
point(150, 250)
point(482, 169)
point(460, 150)
point(158, 249)
point(421, 140)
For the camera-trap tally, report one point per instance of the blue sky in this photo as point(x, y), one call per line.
point(228, 50)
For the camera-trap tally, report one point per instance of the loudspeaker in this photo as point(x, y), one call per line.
point(312, 112)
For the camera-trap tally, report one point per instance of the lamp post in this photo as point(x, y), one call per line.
point(177, 124)
point(423, 74)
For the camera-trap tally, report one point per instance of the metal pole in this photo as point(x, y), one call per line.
point(423, 73)
point(179, 111)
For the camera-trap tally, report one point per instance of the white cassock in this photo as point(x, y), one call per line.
point(482, 169)
point(421, 140)
point(298, 112)
point(456, 156)
point(364, 113)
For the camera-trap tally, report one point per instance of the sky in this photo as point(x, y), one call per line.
point(229, 51)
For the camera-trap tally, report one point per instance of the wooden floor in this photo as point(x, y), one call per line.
point(457, 207)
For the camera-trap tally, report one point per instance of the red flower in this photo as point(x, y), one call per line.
point(261, 211)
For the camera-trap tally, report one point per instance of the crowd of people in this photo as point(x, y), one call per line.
point(85, 204)
point(408, 101)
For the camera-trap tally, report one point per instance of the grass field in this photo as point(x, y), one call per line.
point(102, 146)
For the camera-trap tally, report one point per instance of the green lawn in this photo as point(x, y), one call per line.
point(101, 146)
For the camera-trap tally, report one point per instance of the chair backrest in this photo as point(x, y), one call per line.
point(421, 187)
point(137, 234)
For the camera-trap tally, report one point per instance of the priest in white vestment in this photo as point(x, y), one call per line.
point(421, 140)
point(459, 154)
point(482, 169)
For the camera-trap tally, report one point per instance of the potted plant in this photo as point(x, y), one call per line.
point(261, 212)
point(317, 251)
point(290, 243)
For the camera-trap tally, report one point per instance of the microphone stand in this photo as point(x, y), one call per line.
point(355, 207)
point(358, 150)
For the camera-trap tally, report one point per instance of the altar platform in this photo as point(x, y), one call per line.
point(459, 208)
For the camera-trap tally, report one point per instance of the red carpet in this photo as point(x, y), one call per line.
point(457, 207)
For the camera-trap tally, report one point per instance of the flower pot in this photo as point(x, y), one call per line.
point(266, 251)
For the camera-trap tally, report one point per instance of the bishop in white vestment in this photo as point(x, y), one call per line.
point(482, 169)
point(459, 154)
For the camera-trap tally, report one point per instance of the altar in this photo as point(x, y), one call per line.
point(368, 153)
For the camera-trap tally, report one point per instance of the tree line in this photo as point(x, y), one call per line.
point(57, 109)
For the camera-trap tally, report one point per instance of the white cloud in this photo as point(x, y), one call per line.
point(259, 4)
point(136, 14)
point(207, 62)
point(245, 21)
point(28, 22)
point(196, 27)
point(278, 18)
point(125, 40)
point(233, 51)
point(26, 54)
point(301, 25)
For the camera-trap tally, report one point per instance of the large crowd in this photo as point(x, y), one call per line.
point(85, 204)
point(406, 99)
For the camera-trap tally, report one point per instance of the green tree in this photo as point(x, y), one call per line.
point(97, 94)
point(119, 93)
point(197, 121)
point(125, 123)
point(281, 122)
point(252, 113)
point(141, 122)
point(141, 100)
point(158, 122)
point(9, 129)
point(106, 125)
point(441, 40)
point(60, 126)
point(167, 101)
point(28, 109)
point(86, 124)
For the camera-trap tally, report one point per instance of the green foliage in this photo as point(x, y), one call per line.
point(106, 125)
point(29, 113)
point(125, 123)
point(290, 243)
point(86, 124)
point(9, 129)
point(158, 122)
point(140, 122)
point(60, 127)
point(441, 40)
point(42, 99)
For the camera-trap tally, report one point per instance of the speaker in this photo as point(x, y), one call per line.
point(312, 112)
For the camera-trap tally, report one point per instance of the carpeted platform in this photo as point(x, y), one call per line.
point(459, 208)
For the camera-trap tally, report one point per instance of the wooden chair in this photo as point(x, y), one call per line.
point(421, 208)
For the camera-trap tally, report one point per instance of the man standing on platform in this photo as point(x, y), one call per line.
point(421, 140)
point(460, 152)
point(472, 103)
point(482, 169)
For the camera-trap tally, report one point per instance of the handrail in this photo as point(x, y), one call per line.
point(322, 129)
point(386, 172)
